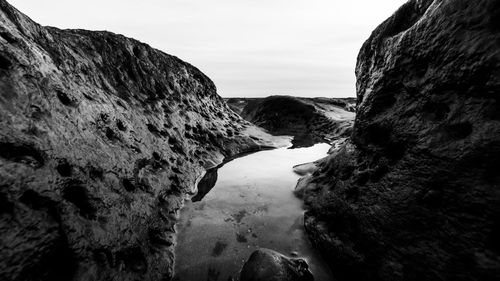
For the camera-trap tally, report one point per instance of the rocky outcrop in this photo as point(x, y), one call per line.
point(309, 120)
point(101, 138)
point(238, 105)
point(415, 194)
point(269, 265)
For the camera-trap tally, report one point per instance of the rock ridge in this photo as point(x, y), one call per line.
point(101, 139)
point(308, 120)
point(414, 194)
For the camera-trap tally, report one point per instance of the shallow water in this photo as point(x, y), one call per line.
point(252, 205)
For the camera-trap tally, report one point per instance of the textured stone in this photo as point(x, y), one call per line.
point(415, 194)
point(101, 138)
point(269, 265)
point(309, 120)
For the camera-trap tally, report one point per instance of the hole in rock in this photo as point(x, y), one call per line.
point(64, 168)
point(110, 134)
point(137, 51)
point(22, 153)
point(5, 64)
point(120, 125)
point(128, 185)
point(152, 128)
point(8, 37)
point(64, 98)
point(36, 201)
point(74, 192)
point(156, 156)
point(5, 205)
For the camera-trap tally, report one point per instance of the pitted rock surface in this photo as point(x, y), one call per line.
point(101, 138)
point(415, 194)
point(268, 265)
point(309, 120)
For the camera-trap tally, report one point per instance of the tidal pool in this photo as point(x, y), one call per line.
point(252, 205)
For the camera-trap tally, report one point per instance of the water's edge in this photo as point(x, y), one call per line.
point(244, 203)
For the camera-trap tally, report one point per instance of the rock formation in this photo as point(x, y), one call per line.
point(415, 194)
point(269, 265)
point(101, 138)
point(309, 120)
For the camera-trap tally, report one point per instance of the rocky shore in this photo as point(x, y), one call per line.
point(101, 139)
point(414, 194)
point(309, 120)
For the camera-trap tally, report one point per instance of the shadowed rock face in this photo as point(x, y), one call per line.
point(416, 194)
point(309, 120)
point(101, 136)
point(268, 265)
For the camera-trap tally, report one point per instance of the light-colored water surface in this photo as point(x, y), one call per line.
point(252, 205)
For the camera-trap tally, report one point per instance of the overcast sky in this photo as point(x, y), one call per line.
point(249, 48)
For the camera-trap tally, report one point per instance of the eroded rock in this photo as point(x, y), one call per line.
point(415, 194)
point(101, 137)
point(309, 120)
point(269, 265)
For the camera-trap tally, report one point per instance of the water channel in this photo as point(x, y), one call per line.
point(246, 204)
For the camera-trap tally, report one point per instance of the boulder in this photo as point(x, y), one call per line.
point(269, 265)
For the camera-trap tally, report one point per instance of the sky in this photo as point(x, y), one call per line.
point(249, 48)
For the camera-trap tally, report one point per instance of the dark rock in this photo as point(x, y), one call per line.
point(309, 120)
point(64, 168)
point(87, 192)
point(268, 265)
point(415, 194)
point(206, 184)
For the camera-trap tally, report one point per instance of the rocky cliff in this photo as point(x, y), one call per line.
point(309, 120)
point(415, 195)
point(101, 138)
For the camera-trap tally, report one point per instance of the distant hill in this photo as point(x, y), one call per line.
point(309, 120)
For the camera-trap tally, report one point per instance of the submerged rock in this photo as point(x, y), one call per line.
point(415, 194)
point(101, 137)
point(268, 265)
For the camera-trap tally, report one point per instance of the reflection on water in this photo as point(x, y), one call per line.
point(251, 205)
point(305, 140)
